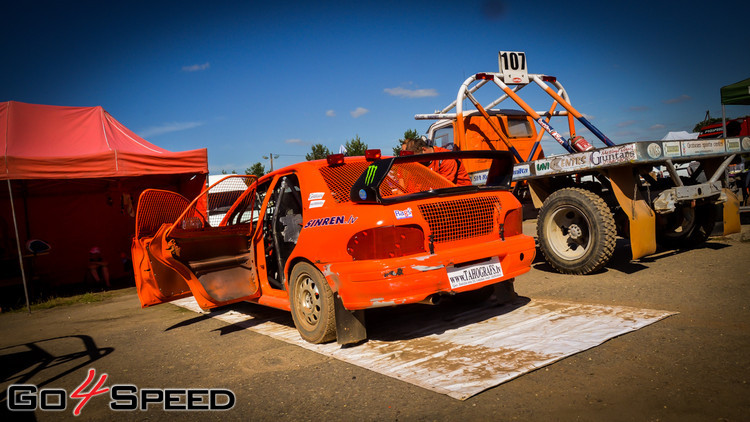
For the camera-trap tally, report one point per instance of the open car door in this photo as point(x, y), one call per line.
point(201, 247)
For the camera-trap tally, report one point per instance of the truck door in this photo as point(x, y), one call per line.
point(206, 251)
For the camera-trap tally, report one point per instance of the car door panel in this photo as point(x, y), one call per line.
point(189, 256)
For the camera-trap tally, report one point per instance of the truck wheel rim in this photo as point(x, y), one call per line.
point(308, 299)
point(568, 231)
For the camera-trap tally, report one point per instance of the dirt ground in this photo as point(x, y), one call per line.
point(691, 366)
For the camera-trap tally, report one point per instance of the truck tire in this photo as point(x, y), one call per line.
point(686, 227)
point(576, 231)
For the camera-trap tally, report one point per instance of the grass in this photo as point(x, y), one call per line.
point(53, 302)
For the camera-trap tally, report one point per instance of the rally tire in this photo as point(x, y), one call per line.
point(311, 302)
point(576, 231)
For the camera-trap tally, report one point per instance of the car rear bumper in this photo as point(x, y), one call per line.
point(396, 281)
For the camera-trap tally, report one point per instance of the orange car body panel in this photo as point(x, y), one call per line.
point(329, 222)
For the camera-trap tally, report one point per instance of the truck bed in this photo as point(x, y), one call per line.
point(644, 152)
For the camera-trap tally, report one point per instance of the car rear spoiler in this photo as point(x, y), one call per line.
point(366, 190)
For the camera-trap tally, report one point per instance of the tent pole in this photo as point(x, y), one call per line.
point(723, 121)
point(18, 244)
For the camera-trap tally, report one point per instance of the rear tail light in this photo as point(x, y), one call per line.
point(335, 159)
point(386, 242)
point(485, 76)
point(513, 224)
point(404, 152)
point(549, 79)
point(372, 154)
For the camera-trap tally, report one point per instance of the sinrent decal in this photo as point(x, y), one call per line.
point(123, 397)
point(330, 221)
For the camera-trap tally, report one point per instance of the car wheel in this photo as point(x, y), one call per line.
point(576, 231)
point(311, 302)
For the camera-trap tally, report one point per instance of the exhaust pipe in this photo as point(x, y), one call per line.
point(433, 299)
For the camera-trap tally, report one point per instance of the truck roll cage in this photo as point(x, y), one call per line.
point(542, 118)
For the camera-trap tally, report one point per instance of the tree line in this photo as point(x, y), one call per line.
point(353, 147)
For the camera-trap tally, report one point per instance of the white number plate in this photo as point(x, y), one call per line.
point(472, 274)
point(513, 67)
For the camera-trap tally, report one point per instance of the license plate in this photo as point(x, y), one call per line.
point(472, 274)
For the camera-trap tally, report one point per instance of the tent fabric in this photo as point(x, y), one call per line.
point(679, 135)
point(736, 94)
point(74, 175)
point(54, 142)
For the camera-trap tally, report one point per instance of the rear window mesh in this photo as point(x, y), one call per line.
point(463, 218)
point(340, 179)
point(403, 179)
point(157, 207)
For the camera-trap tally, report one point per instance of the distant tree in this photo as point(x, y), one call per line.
point(355, 146)
point(225, 172)
point(319, 152)
point(708, 121)
point(256, 169)
point(409, 134)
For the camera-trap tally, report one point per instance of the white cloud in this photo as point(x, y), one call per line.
point(168, 127)
point(681, 99)
point(638, 108)
point(657, 126)
point(196, 67)
point(294, 141)
point(330, 113)
point(360, 111)
point(626, 123)
point(411, 93)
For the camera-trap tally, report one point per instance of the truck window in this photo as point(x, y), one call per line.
point(444, 138)
point(519, 128)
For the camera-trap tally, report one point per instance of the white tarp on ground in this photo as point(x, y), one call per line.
point(460, 351)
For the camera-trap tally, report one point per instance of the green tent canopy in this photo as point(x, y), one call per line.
point(736, 94)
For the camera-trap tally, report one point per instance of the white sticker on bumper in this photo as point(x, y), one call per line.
point(472, 274)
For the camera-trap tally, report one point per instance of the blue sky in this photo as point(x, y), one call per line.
point(245, 79)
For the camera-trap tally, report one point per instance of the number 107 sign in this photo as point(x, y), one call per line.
point(513, 67)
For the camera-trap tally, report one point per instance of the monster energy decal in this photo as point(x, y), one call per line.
point(370, 177)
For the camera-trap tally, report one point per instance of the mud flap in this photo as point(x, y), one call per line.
point(505, 292)
point(350, 325)
point(641, 217)
point(539, 192)
point(731, 213)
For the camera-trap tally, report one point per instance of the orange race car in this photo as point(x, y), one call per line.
point(328, 239)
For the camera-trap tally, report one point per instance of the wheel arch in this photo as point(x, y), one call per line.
point(293, 261)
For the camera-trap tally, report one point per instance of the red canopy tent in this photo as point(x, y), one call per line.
point(74, 174)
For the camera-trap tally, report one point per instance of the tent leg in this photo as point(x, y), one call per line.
point(723, 121)
point(18, 244)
